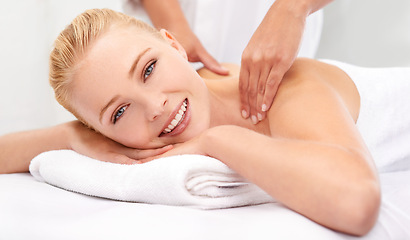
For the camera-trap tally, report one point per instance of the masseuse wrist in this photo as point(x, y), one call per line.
point(165, 14)
point(296, 8)
point(311, 6)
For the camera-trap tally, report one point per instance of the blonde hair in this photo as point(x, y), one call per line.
point(72, 43)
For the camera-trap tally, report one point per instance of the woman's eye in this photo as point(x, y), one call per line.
point(118, 114)
point(149, 69)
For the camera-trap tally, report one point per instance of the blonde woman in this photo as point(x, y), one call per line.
point(140, 98)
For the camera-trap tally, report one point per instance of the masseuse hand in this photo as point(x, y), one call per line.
point(196, 51)
point(168, 15)
point(92, 144)
point(267, 57)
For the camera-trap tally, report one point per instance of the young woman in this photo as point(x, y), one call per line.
point(134, 88)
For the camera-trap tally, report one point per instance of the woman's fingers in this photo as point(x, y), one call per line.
point(133, 156)
point(139, 154)
point(121, 159)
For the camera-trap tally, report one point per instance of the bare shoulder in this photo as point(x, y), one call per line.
point(315, 101)
point(311, 76)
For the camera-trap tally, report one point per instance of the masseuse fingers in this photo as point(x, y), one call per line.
point(261, 92)
point(254, 77)
point(271, 88)
point(211, 63)
point(243, 90)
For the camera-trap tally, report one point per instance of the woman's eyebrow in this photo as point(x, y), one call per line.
point(134, 65)
point(108, 105)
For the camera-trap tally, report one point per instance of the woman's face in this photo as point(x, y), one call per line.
point(140, 91)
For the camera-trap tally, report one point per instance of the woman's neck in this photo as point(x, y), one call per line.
point(225, 104)
point(225, 100)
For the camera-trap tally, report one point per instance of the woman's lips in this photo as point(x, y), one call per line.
point(179, 121)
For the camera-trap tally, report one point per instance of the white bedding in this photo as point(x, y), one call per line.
point(34, 210)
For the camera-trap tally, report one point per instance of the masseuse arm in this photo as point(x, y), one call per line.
point(270, 53)
point(17, 149)
point(168, 14)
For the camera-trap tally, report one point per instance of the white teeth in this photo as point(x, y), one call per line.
point(178, 117)
point(174, 122)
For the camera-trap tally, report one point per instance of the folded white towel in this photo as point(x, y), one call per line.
point(185, 180)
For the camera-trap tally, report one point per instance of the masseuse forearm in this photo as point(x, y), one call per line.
point(165, 14)
point(17, 149)
point(326, 183)
point(300, 7)
point(315, 5)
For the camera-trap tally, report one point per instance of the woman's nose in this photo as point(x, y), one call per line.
point(156, 107)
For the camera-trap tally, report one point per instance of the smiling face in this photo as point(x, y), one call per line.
point(140, 90)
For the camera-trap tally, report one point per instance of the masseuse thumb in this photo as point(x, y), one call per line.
point(213, 65)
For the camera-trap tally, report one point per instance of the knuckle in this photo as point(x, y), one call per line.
point(257, 58)
point(245, 58)
point(252, 57)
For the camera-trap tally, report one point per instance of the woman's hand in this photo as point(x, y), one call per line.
point(267, 57)
point(92, 144)
point(193, 146)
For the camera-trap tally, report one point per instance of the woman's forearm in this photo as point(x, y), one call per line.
point(326, 183)
point(17, 149)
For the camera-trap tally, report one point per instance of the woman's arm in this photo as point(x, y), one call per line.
point(17, 149)
point(330, 184)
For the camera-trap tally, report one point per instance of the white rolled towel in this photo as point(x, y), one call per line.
point(184, 180)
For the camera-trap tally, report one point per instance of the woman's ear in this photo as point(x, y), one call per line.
point(173, 42)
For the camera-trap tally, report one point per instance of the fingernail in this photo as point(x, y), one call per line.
point(260, 117)
point(244, 114)
point(254, 119)
point(264, 108)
